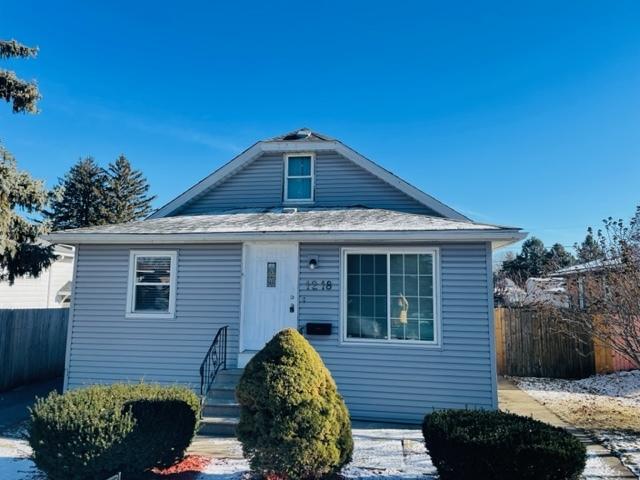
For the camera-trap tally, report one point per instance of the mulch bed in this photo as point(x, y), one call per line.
point(187, 469)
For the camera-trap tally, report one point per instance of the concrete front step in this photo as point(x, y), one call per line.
point(222, 408)
point(234, 373)
point(221, 412)
point(222, 391)
point(218, 426)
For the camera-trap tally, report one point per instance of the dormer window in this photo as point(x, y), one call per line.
point(298, 177)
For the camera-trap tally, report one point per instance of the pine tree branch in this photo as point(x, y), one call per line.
point(14, 49)
point(23, 95)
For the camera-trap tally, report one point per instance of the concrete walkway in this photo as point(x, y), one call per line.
point(14, 403)
point(514, 400)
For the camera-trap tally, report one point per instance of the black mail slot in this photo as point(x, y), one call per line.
point(317, 328)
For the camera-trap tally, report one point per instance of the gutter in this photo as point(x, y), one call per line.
point(499, 238)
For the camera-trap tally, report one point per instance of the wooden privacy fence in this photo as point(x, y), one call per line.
point(527, 346)
point(32, 345)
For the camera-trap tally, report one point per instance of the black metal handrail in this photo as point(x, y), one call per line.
point(214, 360)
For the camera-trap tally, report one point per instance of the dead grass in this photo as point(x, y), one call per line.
point(595, 412)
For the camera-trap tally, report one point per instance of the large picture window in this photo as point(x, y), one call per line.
point(390, 296)
point(298, 177)
point(151, 284)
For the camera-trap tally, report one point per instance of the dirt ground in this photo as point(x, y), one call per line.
point(591, 411)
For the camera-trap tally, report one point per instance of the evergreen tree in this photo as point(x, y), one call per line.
point(589, 250)
point(530, 262)
point(21, 94)
point(558, 257)
point(127, 190)
point(81, 198)
point(19, 253)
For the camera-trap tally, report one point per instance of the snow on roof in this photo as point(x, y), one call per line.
point(593, 265)
point(290, 220)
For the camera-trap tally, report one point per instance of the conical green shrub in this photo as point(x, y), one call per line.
point(293, 422)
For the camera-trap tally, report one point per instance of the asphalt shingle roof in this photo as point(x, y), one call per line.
point(292, 220)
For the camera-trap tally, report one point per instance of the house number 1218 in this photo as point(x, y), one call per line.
point(316, 285)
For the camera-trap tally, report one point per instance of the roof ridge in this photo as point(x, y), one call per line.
point(299, 134)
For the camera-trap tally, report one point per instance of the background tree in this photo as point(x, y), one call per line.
point(20, 254)
point(610, 312)
point(81, 198)
point(530, 262)
point(535, 260)
point(557, 257)
point(127, 190)
point(21, 94)
point(589, 250)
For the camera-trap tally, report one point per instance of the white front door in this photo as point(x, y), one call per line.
point(269, 294)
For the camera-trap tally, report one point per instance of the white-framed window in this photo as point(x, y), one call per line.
point(391, 295)
point(299, 179)
point(152, 284)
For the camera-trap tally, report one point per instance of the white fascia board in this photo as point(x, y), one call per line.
point(503, 237)
point(262, 147)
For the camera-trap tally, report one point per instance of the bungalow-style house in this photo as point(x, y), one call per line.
point(392, 287)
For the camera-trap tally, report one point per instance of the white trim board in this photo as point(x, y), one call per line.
point(257, 149)
point(70, 318)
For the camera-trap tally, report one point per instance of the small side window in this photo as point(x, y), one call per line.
point(151, 284)
point(299, 178)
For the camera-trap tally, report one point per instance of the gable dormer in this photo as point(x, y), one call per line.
point(302, 169)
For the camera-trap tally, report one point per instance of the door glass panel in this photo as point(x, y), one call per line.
point(271, 274)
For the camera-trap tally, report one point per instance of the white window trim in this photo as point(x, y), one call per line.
point(130, 313)
point(437, 314)
point(287, 177)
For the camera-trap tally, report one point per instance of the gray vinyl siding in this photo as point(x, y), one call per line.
point(401, 382)
point(379, 382)
point(339, 182)
point(106, 347)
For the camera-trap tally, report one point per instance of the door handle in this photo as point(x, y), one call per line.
point(292, 308)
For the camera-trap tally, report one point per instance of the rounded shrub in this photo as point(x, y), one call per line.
point(95, 432)
point(293, 422)
point(478, 445)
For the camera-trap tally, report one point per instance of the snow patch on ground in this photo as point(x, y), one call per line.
point(15, 461)
point(621, 384)
point(596, 469)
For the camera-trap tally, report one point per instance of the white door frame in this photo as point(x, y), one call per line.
point(244, 357)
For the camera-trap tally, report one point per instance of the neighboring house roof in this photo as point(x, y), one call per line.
point(305, 140)
point(592, 266)
point(313, 224)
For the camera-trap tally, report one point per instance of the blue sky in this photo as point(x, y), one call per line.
point(519, 113)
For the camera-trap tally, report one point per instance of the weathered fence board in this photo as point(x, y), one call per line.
point(528, 346)
point(32, 345)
